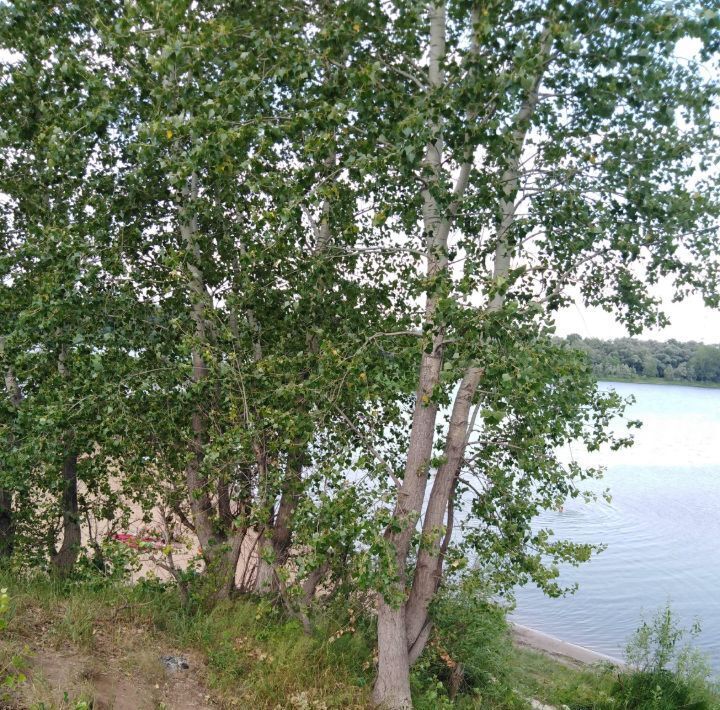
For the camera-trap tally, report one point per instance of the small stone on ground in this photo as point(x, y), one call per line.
point(175, 663)
point(537, 705)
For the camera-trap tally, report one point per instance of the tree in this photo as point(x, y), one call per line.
point(668, 360)
point(237, 224)
point(543, 144)
point(60, 308)
point(705, 364)
point(239, 236)
point(252, 307)
point(650, 366)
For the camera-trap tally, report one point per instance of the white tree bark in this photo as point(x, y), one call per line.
point(392, 686)
point(428, 571)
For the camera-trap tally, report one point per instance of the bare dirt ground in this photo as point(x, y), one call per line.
point(62, 678)
point(107, 665)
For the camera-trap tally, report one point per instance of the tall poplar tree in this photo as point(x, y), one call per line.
point(543, 146)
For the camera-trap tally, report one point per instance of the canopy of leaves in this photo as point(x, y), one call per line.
point(211, 251)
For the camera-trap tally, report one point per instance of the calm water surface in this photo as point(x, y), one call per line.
point(662, 529)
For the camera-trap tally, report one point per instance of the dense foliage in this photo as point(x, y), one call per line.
point(283, 276)
point(669, 360)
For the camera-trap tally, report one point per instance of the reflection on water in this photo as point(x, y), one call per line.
point(662, 529)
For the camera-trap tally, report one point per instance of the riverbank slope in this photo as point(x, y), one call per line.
point(80, 644)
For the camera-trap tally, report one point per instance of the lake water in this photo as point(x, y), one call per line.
point(662, 529)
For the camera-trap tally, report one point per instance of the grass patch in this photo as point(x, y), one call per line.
point(248, 654)
point(255, 656)
point(539, 676)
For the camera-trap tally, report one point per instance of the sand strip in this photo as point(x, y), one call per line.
point(562, 650)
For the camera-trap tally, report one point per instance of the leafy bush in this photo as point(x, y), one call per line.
point(108, 562)
point(666, 672)
point(663, 644)
point(657, 690)
point(469, 655)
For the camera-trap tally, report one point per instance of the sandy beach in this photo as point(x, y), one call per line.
point(562, 650)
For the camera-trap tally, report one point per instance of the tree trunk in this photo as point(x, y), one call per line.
point(264, 575)
point(392, 685)
point(7, 525)
point(223, 504)
point(222, 564)
point(220, 550)
point(428, 571)
point(277, 548)
point(310, 583)
point(64, 560)
point(282, 529)
point(429, 564)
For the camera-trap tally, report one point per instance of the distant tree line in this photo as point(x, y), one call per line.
point(670, 360)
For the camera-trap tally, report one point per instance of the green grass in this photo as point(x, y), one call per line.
point(257, 658)
point(540, 676)
point(254, 654)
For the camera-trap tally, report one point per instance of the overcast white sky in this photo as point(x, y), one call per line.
point(690, 320)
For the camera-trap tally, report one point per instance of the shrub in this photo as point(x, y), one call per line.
point(469, 653)
point(666, 672)
point(657, 690)
point(104, 564)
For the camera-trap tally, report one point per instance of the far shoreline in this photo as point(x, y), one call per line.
point(660, 381)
